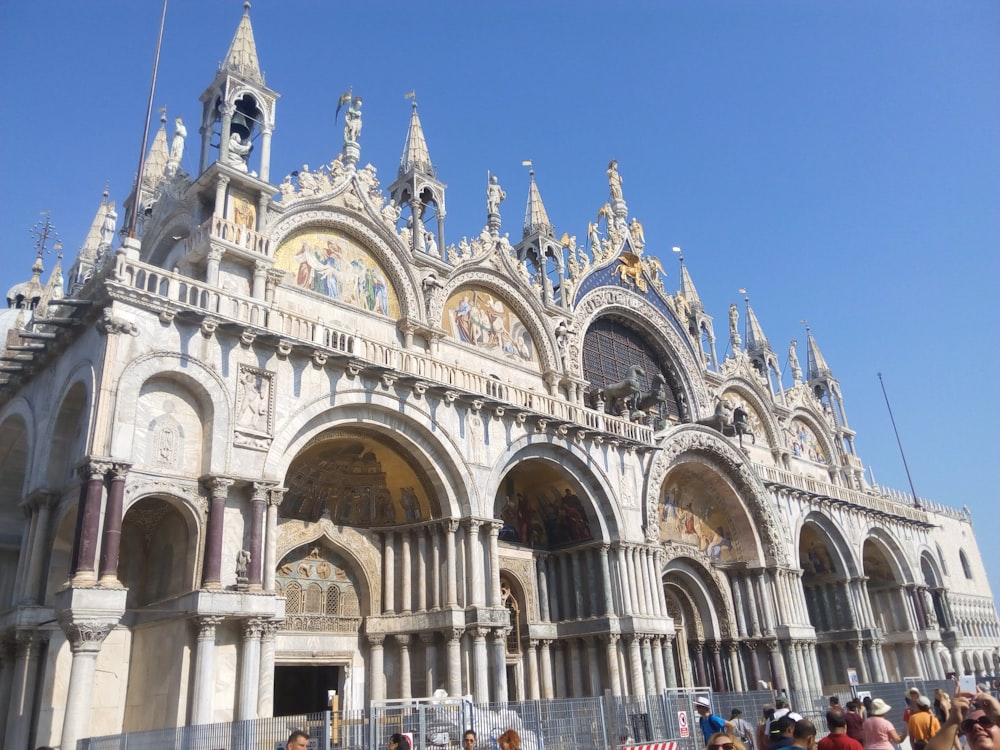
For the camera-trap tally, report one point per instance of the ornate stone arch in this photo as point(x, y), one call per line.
point(758, 398)
point(437, 454)
point(581, 466)
point(707, 590)
point(847, 564)
point(21, 410)
point(893, 552)
point(401, 275)
point(822, 432)
point(527, 309)
point(729, 461)
point(612, 301)
point(355, 546)
point(205, 384)
point(54, 435)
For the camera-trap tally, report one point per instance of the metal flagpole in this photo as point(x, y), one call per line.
point(145, 129)
point(916, 500)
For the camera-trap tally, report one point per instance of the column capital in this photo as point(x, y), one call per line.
point(206, 625)
point(473, 524)
point(454, 635)
point(403, 639)
point(85, 635)
point(253, 628)
point(613, 638)
point(270, 628)
point(93, 468)
point(276, 495)
point(480, 633)
point(495, 527)
point(500, 634)
point(376, 640)
point(119, 470)
point(218, 486)
point(260, 492)
point(450, 525)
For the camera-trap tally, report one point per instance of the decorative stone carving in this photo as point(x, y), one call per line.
point(85, 634)
point(111, 324)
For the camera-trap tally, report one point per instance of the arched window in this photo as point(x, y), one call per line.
point(333, 600)
point(293, 598)
point(965, 564)
point(944, 568)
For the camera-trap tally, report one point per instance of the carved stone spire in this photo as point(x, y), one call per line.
point(416, 157)
point(816, 366)
point(687, 289)
point(536, 220)
point(241, 58)
point(156, 162)
point(756, 341)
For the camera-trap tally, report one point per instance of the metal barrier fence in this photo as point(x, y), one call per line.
point(252, 734)
point(602, 723)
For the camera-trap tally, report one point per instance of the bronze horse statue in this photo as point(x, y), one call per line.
point(652, 398)
point(730, 421)
point(626, 392)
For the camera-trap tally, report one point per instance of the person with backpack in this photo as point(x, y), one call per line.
point(742, 728)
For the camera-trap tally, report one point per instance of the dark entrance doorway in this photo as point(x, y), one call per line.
point(302, 689)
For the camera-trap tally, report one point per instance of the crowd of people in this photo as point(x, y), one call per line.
point(938, 723)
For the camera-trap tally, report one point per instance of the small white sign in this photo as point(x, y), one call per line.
point(682, 723)
point(852, 676)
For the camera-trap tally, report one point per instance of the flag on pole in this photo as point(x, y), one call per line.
point(526, 163)
point(411, 95)
point(345, 98)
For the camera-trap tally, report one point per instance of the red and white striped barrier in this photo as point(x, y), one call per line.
point(651, 746)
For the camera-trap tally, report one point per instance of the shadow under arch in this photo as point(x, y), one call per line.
point(69, 428)
point(440, 460)
point(582, 477)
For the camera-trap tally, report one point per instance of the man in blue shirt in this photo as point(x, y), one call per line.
point(709, 722)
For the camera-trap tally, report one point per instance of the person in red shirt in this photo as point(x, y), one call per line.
point(838, 739)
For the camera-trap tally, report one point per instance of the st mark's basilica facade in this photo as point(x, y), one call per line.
point(284, 439)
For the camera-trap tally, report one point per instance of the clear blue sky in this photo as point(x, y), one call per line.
point(839, 160)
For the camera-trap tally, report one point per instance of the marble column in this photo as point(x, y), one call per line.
point(475, 583)
point(274, 498)
point(435, 547)
point(39, 548)
point(481, 668)
point(611, 655)
point(635, 659)
point(698, 647)
point(111, 540)
point(246, 704)
point(859, 656)
point(534, 677)
point(430, 662)
point(501, 690)
point(593, 661)
point(265, 689)
point(628, 576)
point(642, 573)
point(405, 689)
point(777, 668)
point(546, 654)
point(88, 522)
point(659, 677)
point(574, 655)
point(733, 657)
point(752, 606)
point(606, 589)
point(736, 588)
point(494, 571)
point(578, 595)
point(751, 659)
point(670, 674)
point(211, 577)
point(422, 579)
point(543, 586)
point(451, 589)
point(405, 573)
point(85, 639)
point(720, 676)
point(388, 572)
point(454, 654)
point(23, 689)
point(376, 647)
point(203, 690)
point(258, 505)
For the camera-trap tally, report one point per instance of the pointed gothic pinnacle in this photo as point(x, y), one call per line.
point(242, 55)
point(755, 338)
point(415, 156)
point(686, 288)
point(536, 219)
point(815, 363)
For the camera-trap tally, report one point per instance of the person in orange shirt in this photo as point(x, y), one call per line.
point(923, 724)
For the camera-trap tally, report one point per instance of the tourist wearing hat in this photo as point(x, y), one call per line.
point(975, 717)
point(923, 724)
point(711, 723)
point(879, 733)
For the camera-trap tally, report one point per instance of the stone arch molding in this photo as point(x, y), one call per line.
point(832, 531)
point(338, 219)
point(21, 408)
point(821, 430)
point(893, 551)
point(754, 394)
point(587, 472)
point(517, 302)
point(612, 300)
point(710, 583)
point(443, 461)
point(349, 542)
point(521, 571)
point(206, 384)
point(707, 443)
